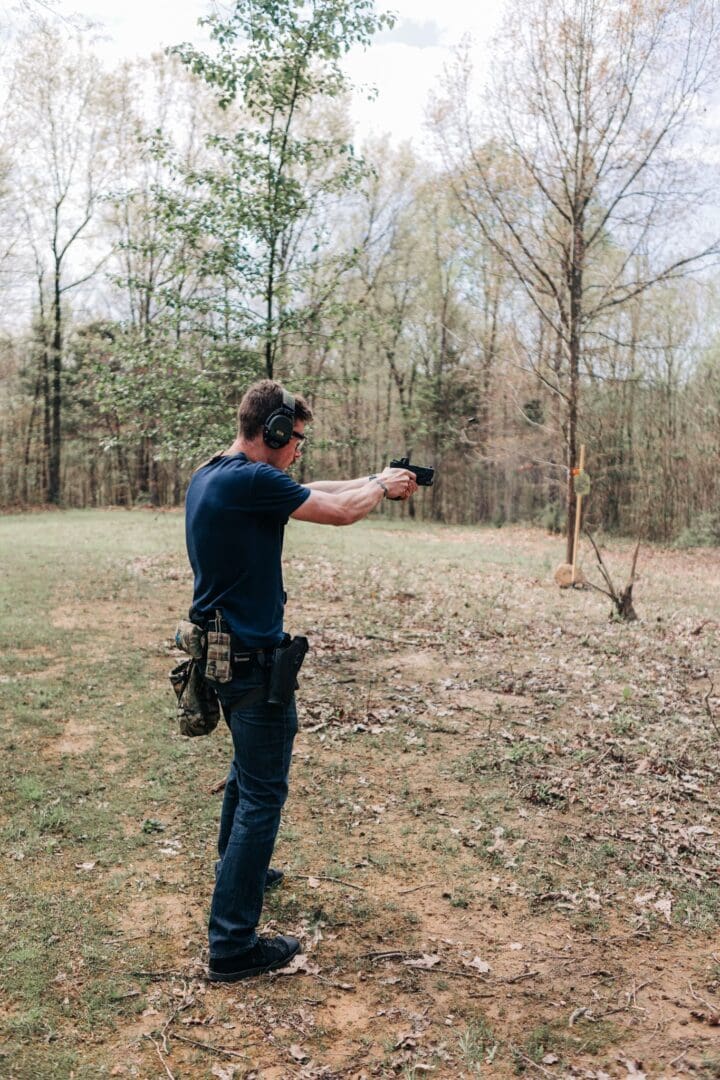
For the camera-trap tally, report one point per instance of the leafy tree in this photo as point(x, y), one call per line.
point(257, 217)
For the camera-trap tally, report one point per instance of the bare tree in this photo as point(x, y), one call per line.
point(581, 160)
point(62, 121)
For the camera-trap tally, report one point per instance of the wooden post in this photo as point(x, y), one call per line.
point(578, 512)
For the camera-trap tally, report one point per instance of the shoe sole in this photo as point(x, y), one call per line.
point(236, 976)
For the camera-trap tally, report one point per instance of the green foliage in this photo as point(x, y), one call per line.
point(553, 518)
point(475, 1042)
point(254, 218)
point(704, 531)
point(533, 411)
point(183, 401)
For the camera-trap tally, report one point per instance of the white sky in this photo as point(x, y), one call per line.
point(403, 64)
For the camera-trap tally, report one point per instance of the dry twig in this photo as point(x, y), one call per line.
point(711, 1008)
point(211, 1049)
point(337, 881)
point(622, 600)
point(169, 974)
point(529, 1061)
point(162, 1059)
point(708, 707)
point(415, 888)
point(519, 978)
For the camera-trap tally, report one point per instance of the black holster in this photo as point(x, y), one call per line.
point(286, 662)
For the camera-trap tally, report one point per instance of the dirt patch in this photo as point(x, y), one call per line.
point(419, 665)
point(487, 701)
point(77, 738)
point(159, 912)
point(161, 568)
point(109, 627)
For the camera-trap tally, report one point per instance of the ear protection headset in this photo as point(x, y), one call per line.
point(278, 428)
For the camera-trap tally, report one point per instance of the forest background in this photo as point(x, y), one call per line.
point(546, 276)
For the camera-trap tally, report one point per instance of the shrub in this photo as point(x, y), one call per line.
point(704, 531)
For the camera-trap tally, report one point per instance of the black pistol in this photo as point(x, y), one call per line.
point(423, 475)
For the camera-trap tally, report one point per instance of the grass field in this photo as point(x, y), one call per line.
point(502, 840)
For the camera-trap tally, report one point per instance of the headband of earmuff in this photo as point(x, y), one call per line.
point(278, 428)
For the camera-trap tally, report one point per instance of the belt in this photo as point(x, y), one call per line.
point(262, 657)
point(242, 653)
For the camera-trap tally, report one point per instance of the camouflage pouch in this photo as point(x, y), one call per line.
point(198, 709)
point(219, 652)
point(190, 639)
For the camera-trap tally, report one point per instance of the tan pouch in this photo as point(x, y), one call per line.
point(218, 666)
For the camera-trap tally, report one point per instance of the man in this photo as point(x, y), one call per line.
point(237, 506)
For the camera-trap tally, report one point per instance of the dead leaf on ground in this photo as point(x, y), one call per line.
point(711, 1018)
point(427, 960)
point(299, 965)
point(634, 1068)
point(478, 964)
point(224, 1072)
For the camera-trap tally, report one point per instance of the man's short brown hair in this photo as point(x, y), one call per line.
point(260, 401)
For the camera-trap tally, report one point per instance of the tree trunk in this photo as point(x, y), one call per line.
point(574, 342)
point(53, 487)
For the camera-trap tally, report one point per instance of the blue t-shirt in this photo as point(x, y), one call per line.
point(235, 516)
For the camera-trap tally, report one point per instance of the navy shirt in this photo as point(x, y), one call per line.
point(235, 516)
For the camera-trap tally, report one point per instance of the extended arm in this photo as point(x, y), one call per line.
point(345, 505)
point(336, 487)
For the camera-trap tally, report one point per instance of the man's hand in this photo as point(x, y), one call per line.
point(400, 483)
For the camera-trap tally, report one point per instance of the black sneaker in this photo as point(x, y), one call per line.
point(267, 954)
point(273, 878)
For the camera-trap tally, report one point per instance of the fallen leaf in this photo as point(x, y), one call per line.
point(479, 965)
point(427, 960)
point(634, 1068)
point(224, 1072)
point(313, 883)
point(713, 1019)
point(298, 1053)
point(664, 906)
point(299, 965)
point(85, 866)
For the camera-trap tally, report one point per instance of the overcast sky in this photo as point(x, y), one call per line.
point(403, 63)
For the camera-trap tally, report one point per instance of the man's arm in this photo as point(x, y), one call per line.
point(336, 487)
point(345, 506)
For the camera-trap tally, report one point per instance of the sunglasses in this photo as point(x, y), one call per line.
point(298, 435)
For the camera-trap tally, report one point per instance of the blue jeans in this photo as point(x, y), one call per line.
point(256, 790)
